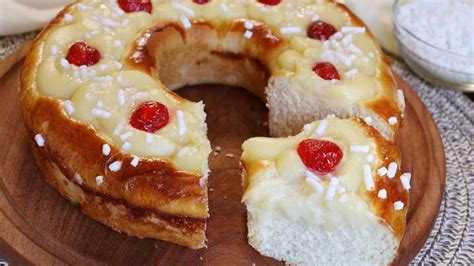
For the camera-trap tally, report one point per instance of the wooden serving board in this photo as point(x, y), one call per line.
point(38, 225)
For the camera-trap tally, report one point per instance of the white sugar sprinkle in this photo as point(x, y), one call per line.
point(118, 129)
point(368, 180)
point(392, 169)
point(140, 96)
point(405, 178)
point(54, 50)
point(248, 25)
point(392, 120)
point(121, 97)
point(354, 49)
point(382, 171)
point(68, 18)
point(183, 151)
point(370, 157)
point(398, 205)
point(181, 123)
point(315, 184)
point(382, 194)
point(331, 192)
point(186, 10)
point(186, 23)
point(400, 97)
point(135, 161)
point(312, 175)
point(115, 166)
point(99, 180)
point(322, 127)
point(347, 40)
point(78, 178)
point(149, 138)
point(126, 146)
point(336, 36)
point(349, 74)
point(68, 106)
point(315, 18)
point(117, 43)
point(82, 7)
point(360, 148)
point(64, 63)
point(248, 34)
point(39, 140)
point(224, 7)
point(348, 29)
point(106, 149)
point(229, 155)
point(76, 74)
point(84, 72)
point(103, 67)
point(100, 113)
point(126, 135)
point(368, 120)
point(118, 65)
point(110, 23)
point(290, 30)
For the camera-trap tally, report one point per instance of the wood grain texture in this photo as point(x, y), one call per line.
point(44, 228)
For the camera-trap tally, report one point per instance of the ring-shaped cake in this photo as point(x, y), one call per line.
point(109, 132)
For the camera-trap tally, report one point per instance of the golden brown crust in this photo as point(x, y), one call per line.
point(120, 215)
point(76, 148)
point(388, 152)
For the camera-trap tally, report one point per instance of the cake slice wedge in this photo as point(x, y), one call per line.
point(332, 195)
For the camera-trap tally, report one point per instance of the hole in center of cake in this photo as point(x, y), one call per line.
point(233, 115)
point(206, 54)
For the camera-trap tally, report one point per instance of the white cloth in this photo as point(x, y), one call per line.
point(18, 16)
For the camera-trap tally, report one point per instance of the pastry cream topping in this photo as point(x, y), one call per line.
point(105, 93)
point(279, 184)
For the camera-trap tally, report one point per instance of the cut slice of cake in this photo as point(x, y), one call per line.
point(331, 195)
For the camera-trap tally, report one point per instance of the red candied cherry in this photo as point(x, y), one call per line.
point(320, 30)
point(269, 2)
point(326, 71)
point(320, 156)
point(130, 6)
point(81, 54)
point(150, 117)
point(201, 2)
